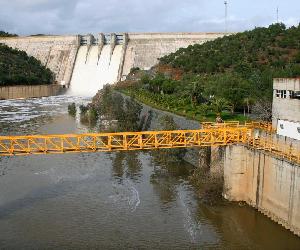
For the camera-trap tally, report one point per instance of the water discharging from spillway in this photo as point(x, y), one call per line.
point(93, 69)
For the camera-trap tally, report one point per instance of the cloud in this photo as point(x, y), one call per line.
point(291, 21)
point(84, 16)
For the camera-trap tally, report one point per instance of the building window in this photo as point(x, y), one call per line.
point(283, 93)
point(295, 95)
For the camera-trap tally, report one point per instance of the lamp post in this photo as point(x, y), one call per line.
point(225, 3)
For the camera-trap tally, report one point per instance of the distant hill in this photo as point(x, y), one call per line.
point(6, 34)
point(255, 56)
point(16, 67)
point(233, 73)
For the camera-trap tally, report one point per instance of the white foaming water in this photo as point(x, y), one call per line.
point(77, 77)
point(115, 64)
point(190, 224)
point(103, 66)
point(21, 110)
point(126, 194)
point(91, 72)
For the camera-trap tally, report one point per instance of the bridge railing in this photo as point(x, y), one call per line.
point(47, 144)
point(266, 126)
point(231, 124)
point(280, 150)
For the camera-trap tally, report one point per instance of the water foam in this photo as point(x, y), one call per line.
point(190, 224)
point(91, 72)
point(125, 194)
point(21, 110)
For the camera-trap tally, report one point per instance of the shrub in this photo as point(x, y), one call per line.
point(72, 109)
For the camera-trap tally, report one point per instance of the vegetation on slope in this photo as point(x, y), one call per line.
point(16, 68)
point(236, 71)
point(6, 34)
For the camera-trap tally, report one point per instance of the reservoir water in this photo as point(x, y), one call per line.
point(111, 200)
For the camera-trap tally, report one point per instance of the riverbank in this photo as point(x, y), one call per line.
point(188, 111)
point(25, 91)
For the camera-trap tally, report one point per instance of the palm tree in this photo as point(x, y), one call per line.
point(219, 105)
point(248, 101)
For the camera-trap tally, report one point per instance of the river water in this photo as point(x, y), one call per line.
point(111, 200)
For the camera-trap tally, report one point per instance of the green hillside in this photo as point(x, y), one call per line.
point(234, 72)
point(16, 68)
point(255, 56)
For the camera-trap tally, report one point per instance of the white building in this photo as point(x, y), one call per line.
point(286, 107)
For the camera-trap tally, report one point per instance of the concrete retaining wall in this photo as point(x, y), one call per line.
point(58, 53)
point(265, 182)
point(24, 91)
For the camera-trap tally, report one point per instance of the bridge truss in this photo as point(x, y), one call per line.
point(50, 144)
point(210, 135)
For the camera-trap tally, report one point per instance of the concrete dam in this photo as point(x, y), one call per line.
point(86, 63)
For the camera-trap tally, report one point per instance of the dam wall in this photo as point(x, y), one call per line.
point(144, 49)
point(87, 62)
point(108, 58)
point(58, 53)
point(267, 183)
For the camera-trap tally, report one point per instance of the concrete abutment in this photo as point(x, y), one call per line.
point(269, 184)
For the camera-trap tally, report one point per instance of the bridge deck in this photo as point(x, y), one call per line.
point(102, 142)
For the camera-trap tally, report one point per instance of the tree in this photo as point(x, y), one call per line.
point(16, 67)
point(248, 101)
point(202, 109)
point(219, 105)
point(6, 34)
point(262, 109)
point(168, 86)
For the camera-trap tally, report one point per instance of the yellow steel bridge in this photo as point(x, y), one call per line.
point(211, 134)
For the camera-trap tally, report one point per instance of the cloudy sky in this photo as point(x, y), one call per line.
point(91, 16)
